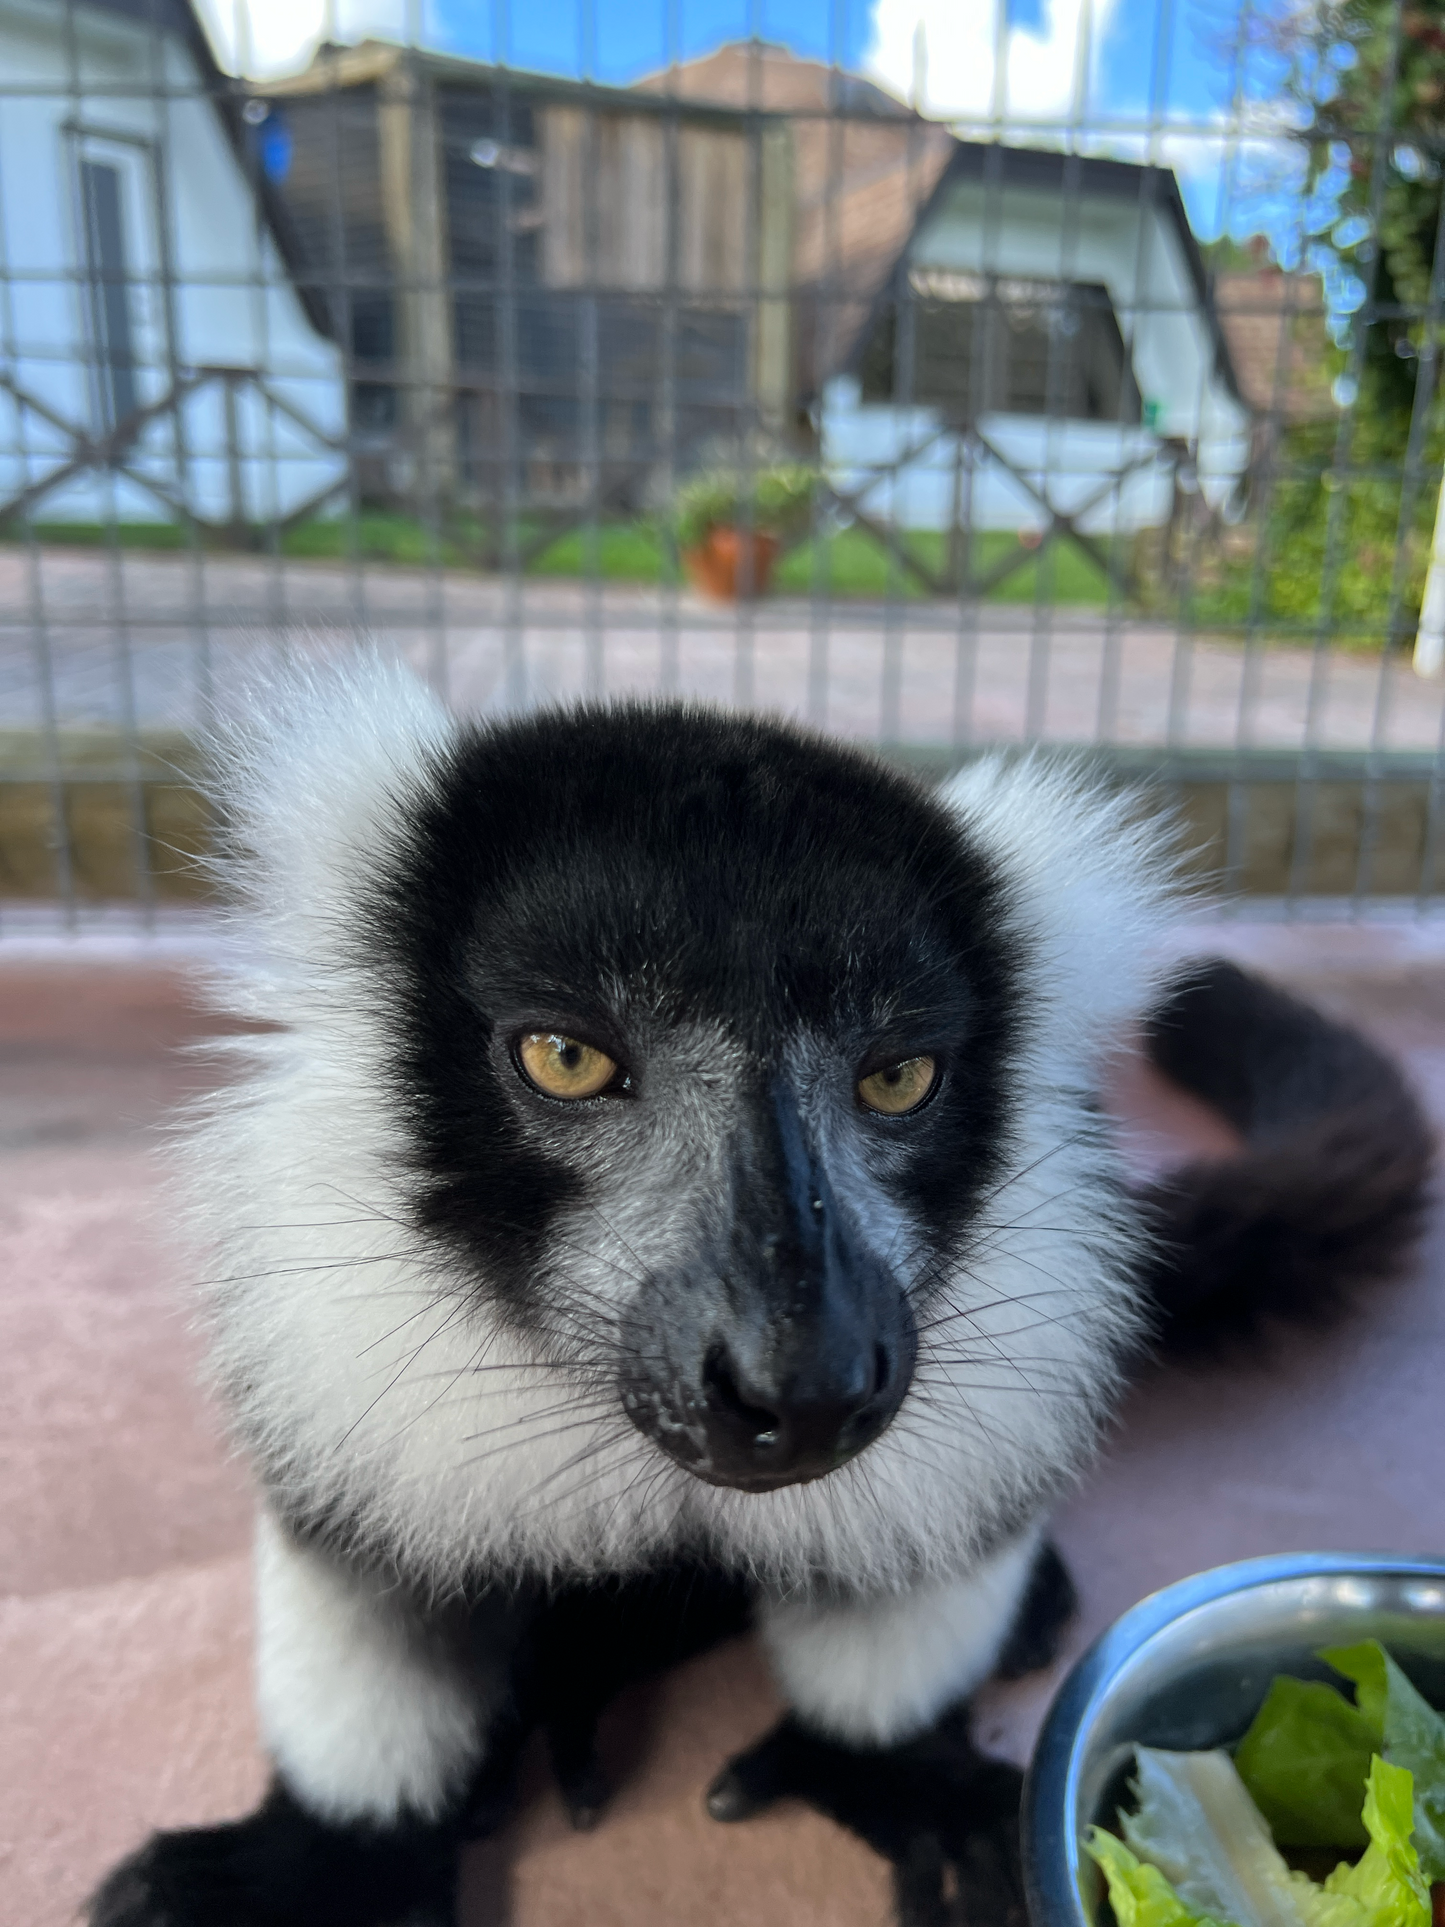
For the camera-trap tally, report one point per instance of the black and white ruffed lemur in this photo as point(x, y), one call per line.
point(672, 1195)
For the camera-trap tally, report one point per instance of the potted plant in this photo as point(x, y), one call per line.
point(732, 523)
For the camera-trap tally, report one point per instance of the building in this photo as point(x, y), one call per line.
point(551, 294)
point(987, 335)
point(1275, 323)
point(1047, 344)
point(556, 298)
point(156, 360)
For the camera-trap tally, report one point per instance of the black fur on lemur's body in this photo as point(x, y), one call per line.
point(673, 1195)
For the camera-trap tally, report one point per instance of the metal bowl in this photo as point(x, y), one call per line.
point(1188, 1667)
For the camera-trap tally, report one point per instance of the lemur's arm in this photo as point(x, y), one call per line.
point(394, 1730)
point(385, 1726)
point(879, 1733)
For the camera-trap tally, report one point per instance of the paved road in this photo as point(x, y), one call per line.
point(100, 639)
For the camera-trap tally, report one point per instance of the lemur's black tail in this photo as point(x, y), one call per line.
point(1329, 1191)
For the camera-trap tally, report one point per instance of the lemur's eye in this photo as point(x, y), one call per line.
point(563, 1067)
point(898, 1087)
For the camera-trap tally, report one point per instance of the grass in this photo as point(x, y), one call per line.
point(100, 535)
point(851, 563)
point(847, 564)
point(619, 552)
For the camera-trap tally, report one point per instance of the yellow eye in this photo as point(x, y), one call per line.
point(561, 1067)
point(899, 1088)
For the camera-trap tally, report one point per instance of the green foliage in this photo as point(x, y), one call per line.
point(1391, 131)
point(852, 563)
point(846, 562)
point(1225, 255)
point(774, 501)
point(378, 535)
point(1341, 539)
point(1326, 540)
point(125, 535)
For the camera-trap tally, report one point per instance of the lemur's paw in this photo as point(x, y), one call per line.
point(943, 1814)
point(281, 1868)
point(1048, 1604)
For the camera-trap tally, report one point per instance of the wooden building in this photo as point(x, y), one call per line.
point(863, 168)
point(553, 296)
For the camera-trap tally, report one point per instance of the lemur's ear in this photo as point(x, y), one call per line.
point(1090, 881)
point(313, 782)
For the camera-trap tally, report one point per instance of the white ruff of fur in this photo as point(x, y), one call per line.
point(369, 1384)
point(874, 1672)
point(364, 1718)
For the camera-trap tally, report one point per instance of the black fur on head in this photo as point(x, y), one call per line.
point(747, 921)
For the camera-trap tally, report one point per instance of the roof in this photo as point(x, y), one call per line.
point(1071, 174)
point(1274, 323)
point(770, 79)
point(868, 171)
point(370, 61)
point(865, 166)
point(227, 98)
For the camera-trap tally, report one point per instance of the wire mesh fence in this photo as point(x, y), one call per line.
point(1077, 387)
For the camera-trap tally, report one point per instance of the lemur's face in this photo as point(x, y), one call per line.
point(703, 1038)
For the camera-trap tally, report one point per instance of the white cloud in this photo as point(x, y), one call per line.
point(1048, 70)
point(268, 37)
point(1240, 171)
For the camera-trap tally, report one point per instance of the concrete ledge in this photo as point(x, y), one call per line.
point(94, 816)
point(1274, 823)
point(102, 820)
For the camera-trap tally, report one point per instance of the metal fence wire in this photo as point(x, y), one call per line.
point(963, 408)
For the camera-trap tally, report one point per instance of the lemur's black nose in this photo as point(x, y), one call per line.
point(786, 1352)
point(792, 1413)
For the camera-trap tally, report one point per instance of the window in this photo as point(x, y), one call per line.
point(971, 344)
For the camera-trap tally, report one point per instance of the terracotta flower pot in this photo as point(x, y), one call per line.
point(732, 563)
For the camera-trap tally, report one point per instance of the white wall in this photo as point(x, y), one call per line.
point(212, 290)
point(1136, 255)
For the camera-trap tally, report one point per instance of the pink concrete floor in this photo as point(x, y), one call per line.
point(124, 1587)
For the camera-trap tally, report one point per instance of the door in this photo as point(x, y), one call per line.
point(121, 281)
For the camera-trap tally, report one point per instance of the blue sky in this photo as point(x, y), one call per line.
point(631, 38)
point(1173, 54)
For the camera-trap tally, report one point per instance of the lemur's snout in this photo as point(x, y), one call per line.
point(777, 1400)
point(796, 1410)
point(793, 1351)
point(754, 1386)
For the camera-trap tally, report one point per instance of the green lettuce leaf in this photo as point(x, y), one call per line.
point(1196, 1823)
point(1412, 1736)
point(1307, 1753)
point(1139, 1893)
point(1198, 1855)
point(1305, 1759)
point(1387, 1882)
